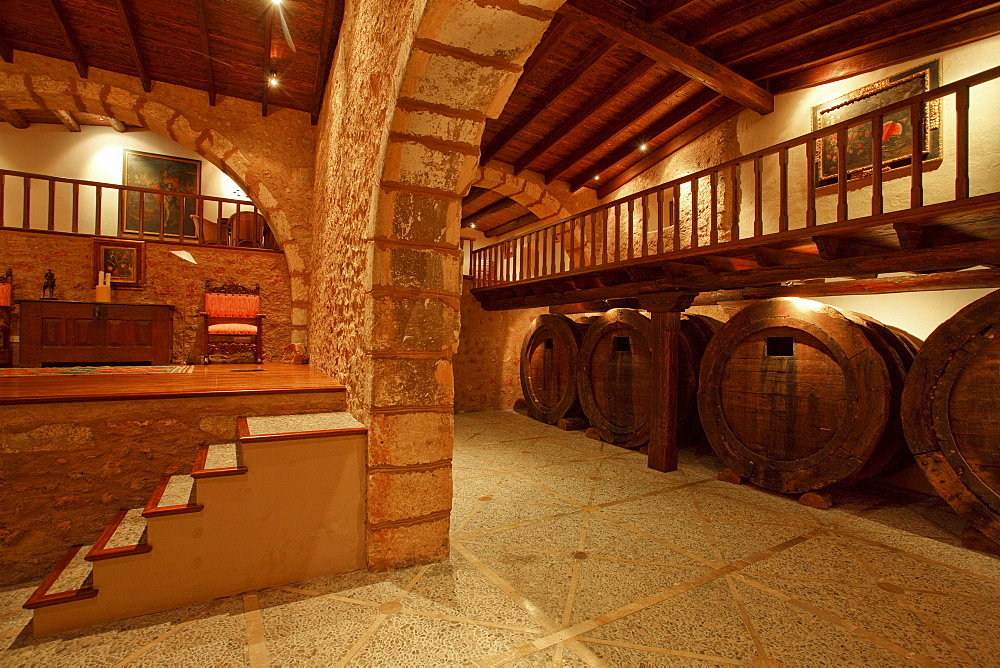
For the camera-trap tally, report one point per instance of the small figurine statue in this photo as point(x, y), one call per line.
point(49, 285)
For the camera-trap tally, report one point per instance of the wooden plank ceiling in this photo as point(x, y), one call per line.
point(494, 214)
point(614, 87)
point(222, 47)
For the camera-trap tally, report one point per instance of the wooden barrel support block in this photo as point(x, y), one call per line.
point(793, 396)
point(549, 368)
point(951, 405)
point(615, 375)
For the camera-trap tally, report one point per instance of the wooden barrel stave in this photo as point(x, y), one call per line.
point(549, 363)
point(804, 420)
point(950, 406)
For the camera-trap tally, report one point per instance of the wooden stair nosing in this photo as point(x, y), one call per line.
point(41, 598)
point(198, 470)
point(246, 437)
point(99, 551)
point(153, 509)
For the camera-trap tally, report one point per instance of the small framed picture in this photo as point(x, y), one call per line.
point(124, 261)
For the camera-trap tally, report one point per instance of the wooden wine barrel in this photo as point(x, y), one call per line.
point(615, 374)
point(951, 412)
point(796, 396)
point(549, 363)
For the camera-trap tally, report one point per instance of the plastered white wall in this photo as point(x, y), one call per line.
point(93, 154)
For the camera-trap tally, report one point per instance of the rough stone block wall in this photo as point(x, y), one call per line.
point(487, 364)
point(169, 280)
point(65, 468)
point(272, 157)
point(399, 147)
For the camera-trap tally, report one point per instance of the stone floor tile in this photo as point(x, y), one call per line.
point(609, 539)
point(547, 659)
point(819, 557)
point(971, 624)
point(738, 540)
point(561, 534)
point(626, 656)
point(495, 513)
point(218, 638)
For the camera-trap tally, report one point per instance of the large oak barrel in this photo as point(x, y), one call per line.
point(615, 374)
point(549, 363)
point(796, 396)
point(951, 412)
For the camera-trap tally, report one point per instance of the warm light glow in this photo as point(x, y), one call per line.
point(472, 225)
point(642, 147)
point(273, 79)
point(275, 2)
point(597, 178)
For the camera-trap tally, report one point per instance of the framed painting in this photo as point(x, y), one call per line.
point(123, 260)
point(896, 127)
point(152, 211)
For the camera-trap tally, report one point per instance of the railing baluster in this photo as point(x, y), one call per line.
point(812, 173)
point(593, 239)
point(877, 203)
point(26, 205)
point(733, 195)
point(783, 190)
point(562, 247)
point(645, 226)
point(572, 242)
point(3, 200)
point(962, 143)
point(51, 226)
point(694, 213)
point(659, 221)
point(98, 203)
point(631, 228)
point(163, 215)
point(552, 237)
point(75, 223)
point(618, 232)
point(916, 154)
point(758, 196)
point(604, 235)
point(842, 174)
point(675, 216)
point(713, 234)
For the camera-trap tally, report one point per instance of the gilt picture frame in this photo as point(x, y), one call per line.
point(151, 211)
point(123, 259)
point(896, 133)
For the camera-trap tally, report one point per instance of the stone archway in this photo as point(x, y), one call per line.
point(527, 189)
point(215, 133)
point(413, 84)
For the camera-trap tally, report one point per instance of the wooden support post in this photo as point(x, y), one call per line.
point(665, 311)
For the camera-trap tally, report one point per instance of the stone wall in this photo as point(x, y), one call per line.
point(169, 280)
point(271, 158)
point(487, 363)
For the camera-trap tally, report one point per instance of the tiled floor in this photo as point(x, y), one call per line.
point(570, 552)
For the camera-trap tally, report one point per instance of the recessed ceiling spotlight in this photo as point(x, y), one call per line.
point(643, 147)
point(597, 178)
point(472, 225)
point(272, 79)
point(275, 2)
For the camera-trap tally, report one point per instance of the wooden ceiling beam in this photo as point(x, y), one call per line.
point(606, 96)
point(636, 112)
point(14, 117)
point(735, 18)
point(268, 43)
point(658, 45)
point(565, 83)
point(496, 207)
point(654, 14)
point(333, 18)
point(939, 39)
point(69, 36)
point(868, 39)
point(727, 110)
point(471, 201)
point(206, 49)
point(775, 257)
point(840, 248)
point(512, 225)
point(66, 118)
point(132, 35)
point(116, 125)
point(693, 105)
point(558, 30)
point(6, 50)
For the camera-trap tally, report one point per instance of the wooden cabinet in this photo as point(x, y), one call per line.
point(57, 333)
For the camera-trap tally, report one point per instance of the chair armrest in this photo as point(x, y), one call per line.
point(261, 315)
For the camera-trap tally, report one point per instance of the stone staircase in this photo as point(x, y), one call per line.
point(283, 504)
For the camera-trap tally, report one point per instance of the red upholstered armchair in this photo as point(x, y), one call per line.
point(6, 305)
point(232, 311)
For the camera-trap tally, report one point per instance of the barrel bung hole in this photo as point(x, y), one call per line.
point(779, 346)
point(621, 344)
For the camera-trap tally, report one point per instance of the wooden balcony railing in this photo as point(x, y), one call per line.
point(40, 202)
point(772, 191)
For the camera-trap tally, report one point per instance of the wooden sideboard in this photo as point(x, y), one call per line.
point(94, 333)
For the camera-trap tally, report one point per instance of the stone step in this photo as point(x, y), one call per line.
point(124, 535)
point(173, 495)
point(220, 459)
point(70, 580)
point(280, 427)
